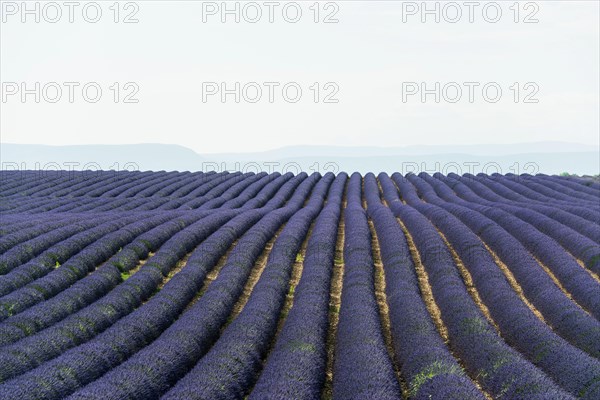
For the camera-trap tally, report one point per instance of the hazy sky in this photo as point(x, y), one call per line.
point(375, 61)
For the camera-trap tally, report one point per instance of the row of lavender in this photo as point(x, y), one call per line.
point(105, 292)
point(190, 191)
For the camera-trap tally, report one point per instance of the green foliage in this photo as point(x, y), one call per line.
point(432, 370)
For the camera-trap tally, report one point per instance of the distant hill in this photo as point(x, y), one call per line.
point(475, 149)
point(155, 157)
point(546, 157)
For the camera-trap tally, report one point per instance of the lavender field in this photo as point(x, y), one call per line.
point(181, 286)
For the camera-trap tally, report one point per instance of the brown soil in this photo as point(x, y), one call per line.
point(212, 275)
point(334, 306)
point(468, 280)
point(424, 286)
point(257, 270)
point(514, 284)
point(384, 311)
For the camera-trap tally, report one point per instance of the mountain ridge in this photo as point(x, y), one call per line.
point(547, 157)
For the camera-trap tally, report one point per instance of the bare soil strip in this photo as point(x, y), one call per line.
point(383, 200)
point(141, 263)
point(295, 276)
point(557, 283)
point(468, 280)
point(432, 307)
point(334, 306)
point(592, 273)
point(178, 267)
point(384, 311)
point(424, 285)
point(297, 269)
point(257, 270)
point(211, 276)
point(514, 284)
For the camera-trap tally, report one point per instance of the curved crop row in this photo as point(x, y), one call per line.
point(580, 284)
point(575, 371)
point(229, 368)
point(473, 194)
point(362, 367)
point(578, 245)
point(427, 365)
point(54, 256)
point(90, 321)
point(296, 366)
point(565, 317)
point(220, 285)
point(501, 370)
point(94, 286)
point(75, 268)
point(132, 332)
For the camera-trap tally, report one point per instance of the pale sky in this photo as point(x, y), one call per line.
point(366, 61)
